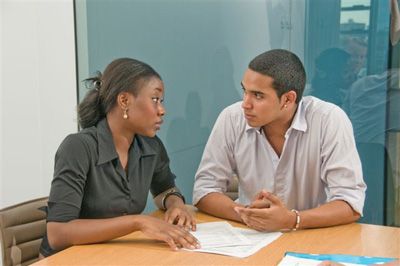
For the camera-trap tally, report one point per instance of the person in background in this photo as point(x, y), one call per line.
point(357, 49)
point(332, 77)
point(103, 173)
point(295, 157)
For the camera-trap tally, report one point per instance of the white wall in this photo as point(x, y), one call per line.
point(38, 93)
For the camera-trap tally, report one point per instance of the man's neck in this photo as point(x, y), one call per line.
point(279, 128)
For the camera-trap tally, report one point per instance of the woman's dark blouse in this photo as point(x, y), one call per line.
point(90, 182)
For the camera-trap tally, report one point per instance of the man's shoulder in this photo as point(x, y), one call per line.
point(233, 110)
point(313, 105)
point(231, 119)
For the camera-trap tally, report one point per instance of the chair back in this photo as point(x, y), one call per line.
point(22, 228)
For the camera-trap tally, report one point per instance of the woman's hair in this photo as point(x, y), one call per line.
point(121, 75)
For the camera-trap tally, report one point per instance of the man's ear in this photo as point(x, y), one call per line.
point(123, 100)
point(289, 98)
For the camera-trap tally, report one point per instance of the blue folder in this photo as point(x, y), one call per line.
point(362, 260)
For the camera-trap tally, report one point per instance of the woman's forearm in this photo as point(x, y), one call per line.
point(84, 231)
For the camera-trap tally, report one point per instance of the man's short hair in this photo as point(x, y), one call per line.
point(285, 68)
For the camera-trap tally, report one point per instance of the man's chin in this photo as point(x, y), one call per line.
point(253, 124)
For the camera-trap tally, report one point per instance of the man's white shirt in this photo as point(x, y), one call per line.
point(319, 161)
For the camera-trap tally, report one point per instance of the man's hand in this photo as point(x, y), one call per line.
point(260, 202)
point(273, 218)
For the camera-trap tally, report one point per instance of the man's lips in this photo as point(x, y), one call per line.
point(248, 116)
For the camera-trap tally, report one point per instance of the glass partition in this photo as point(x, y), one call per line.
point(202, 48)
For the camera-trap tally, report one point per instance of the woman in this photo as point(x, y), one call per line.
point(103, 173)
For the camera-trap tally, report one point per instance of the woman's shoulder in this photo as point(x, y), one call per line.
point(84, 139)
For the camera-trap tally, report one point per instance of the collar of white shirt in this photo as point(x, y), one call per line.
point(299, 122)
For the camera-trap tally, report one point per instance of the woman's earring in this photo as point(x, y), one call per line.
point(125, 114)
point(285, 105)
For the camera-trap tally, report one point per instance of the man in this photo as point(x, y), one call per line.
point(357, 49)
point(295, 158)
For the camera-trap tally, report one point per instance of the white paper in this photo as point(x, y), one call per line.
point(294, 261)
point(222, 238)
point(218, 234)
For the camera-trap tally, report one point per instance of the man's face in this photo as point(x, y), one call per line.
point(261, 104)
point(358, 54)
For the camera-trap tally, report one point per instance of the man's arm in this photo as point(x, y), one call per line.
point(219, 205)
point(215, 170)
point(278, 217)
point(329, 214)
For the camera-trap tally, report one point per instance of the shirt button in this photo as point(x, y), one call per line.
point(127, 197)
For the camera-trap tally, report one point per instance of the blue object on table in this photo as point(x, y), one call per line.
point(362, 260)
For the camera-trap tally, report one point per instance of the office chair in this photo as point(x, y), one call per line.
point(22, 228)
point(233, 188)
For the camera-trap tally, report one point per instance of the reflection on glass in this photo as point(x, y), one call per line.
point(354, 20)
point(202, 49)
point(357, 3)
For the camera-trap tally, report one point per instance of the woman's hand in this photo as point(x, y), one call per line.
point(173, 235)
point(178, 214)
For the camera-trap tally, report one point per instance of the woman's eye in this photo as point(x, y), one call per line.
point(155, 99)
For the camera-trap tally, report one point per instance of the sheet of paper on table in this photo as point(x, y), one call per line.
point(222, 238)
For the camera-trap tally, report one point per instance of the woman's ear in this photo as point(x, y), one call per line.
point(123, 100)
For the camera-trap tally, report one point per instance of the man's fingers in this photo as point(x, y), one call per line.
point(251, 212)
point(259, 196)
point(259, 204)
point(271, 197)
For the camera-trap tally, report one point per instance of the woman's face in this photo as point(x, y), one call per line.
point(145, 111)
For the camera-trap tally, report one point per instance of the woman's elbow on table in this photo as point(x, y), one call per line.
point(55, 236)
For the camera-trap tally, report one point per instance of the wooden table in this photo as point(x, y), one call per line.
point(137, 249)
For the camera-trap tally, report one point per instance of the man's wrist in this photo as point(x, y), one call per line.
point(297, 220)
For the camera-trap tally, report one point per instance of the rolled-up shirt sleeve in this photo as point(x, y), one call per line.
point(341, 166)
point(215, 170)
point(72, 164)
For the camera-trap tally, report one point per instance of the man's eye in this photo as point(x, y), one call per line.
point(258, 95)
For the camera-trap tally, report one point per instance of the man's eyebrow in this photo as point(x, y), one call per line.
point(258, 92)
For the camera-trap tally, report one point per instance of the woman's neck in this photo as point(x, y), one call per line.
point(122, 137)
